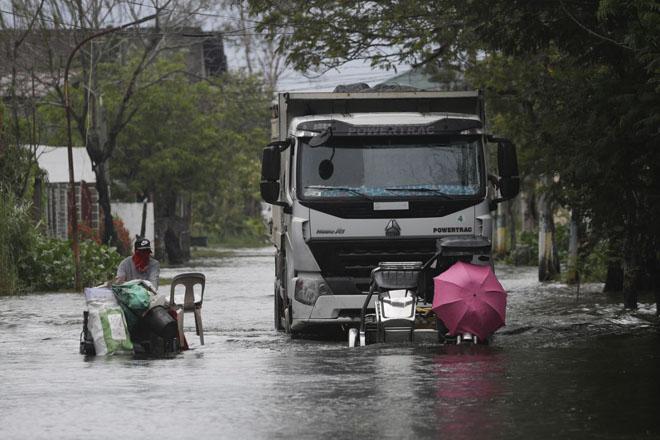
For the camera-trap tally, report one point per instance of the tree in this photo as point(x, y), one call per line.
point(574, 84)
point(240, 107)
point(162, 150)
point(60, 26)
point(260, 53)
point(200, 139)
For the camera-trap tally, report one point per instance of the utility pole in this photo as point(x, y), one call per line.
point(67, 108)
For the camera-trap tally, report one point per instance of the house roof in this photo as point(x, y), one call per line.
point(55, 162)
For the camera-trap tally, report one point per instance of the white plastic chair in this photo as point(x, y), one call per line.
point(190, 303)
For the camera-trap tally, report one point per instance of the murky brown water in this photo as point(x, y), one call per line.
point(562, 368)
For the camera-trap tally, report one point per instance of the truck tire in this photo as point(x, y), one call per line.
point(280, 289)
point(288, 319)
point(285, 312)
point(279, 310)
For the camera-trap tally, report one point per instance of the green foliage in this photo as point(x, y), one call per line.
point(592, 263)
point(50, 264)
point(17, 170)
point(575, 84)
point(592, 257)
point(323, 34)
point(29, 261)
point(528, 238)
point(98, 263)
point(200, 139)
point(203, 139)
point(241, 107)
point(17, 237)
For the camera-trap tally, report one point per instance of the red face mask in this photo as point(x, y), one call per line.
point(141, 259)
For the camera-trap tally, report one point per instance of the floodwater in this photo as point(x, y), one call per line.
point(563, 367)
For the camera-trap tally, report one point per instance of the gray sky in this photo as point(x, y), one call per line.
point(350, 73)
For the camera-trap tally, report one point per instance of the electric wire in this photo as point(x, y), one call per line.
point(201, 14)
point(226, 32)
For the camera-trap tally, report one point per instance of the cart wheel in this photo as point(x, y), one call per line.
point(352, 337)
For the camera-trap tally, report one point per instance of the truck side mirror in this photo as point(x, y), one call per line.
point(270, 173)
point(270, 163)
point(507, 164)
point(270, 191)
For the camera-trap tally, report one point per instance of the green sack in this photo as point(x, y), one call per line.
point(134, 299)
point(108, 329)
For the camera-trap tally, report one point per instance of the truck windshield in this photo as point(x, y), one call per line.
point(351, 167)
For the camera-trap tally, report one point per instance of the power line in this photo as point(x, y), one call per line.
point(355, 76)
point(229, 33)
point(201, 14)
point(236, 32)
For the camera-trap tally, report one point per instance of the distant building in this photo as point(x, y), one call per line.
point(204, 55)
point(55, 164)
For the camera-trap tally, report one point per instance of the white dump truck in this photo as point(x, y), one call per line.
point(356, 179)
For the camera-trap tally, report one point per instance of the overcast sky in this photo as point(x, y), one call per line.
point(352, 72)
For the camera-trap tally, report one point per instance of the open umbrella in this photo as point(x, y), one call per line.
point(469, 299)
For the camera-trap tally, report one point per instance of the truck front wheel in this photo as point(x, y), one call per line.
point(279, 309)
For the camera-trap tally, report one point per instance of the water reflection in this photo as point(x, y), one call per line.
point(469, 382)
point(395, 387)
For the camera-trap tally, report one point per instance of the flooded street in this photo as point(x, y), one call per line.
point(563, 367)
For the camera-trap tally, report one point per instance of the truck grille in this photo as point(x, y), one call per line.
point(347, 265)
point(364, 209)
point(356, 259)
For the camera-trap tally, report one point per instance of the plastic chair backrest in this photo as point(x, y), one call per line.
point(189, 280)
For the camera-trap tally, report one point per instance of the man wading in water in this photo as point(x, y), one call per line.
point(140, 266)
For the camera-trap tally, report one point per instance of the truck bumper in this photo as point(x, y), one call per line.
point(331, 310)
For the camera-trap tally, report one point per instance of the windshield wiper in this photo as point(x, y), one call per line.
point(436, 192)
point(340, 188)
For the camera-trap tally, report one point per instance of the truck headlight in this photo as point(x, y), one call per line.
point(308, 290)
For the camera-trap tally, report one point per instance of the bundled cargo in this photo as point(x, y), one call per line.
point(144, 309)
point(105, 324)
point(127, 318)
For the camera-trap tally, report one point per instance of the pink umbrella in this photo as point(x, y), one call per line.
point(469, 299)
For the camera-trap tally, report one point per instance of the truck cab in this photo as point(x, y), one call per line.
point(360, 178)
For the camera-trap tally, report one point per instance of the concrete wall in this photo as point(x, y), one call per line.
point(131, 215)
